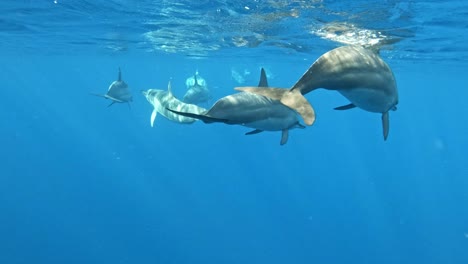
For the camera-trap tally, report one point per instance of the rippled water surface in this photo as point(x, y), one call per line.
point(81, 182)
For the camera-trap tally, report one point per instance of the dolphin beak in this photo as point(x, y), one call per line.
point(144, 92)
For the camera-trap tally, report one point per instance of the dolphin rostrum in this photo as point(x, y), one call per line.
point(118, 92)
point(162, 100)
point(251, 110)
point(358, 73)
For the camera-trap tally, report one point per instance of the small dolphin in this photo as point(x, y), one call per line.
point(251, 110)
point(197, 90)
point(118, 92)
point(358, 73)
point(161, 100)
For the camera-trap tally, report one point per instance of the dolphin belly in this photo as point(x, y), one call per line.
point(369, 99)
point(259, 113)
point(254, 111)
point(275, 123)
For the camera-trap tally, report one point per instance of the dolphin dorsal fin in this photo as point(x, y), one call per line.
point(120, 76)
point(263, 79)
point(195, 79)
point(169, 87)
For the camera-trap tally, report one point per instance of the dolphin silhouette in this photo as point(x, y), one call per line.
point(251, 110)
point(197, 90)
point(162, 100)
point(358, 73)
point(118, 92)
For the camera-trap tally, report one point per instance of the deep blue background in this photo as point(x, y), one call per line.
point(83, 183)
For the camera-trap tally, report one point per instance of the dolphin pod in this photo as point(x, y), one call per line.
point(250, 110)
point(358, 73)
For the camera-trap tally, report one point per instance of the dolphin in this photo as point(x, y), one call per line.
point(118, 92)
point(358, 73)
point(197, 90)
point(162, 100)
point(251, 110)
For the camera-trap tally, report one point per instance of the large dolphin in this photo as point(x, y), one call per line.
point(197, 90)
point(251, 110)
point(358, 73)
point(118, 92)
point(162, 100)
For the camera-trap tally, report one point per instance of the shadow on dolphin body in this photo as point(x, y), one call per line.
point(251, 110)
point(118, 92)
point(358, 73)
point(162, 100)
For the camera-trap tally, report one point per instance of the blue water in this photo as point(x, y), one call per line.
point(83, 183)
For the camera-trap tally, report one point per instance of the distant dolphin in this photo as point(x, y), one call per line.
point(197, 90)
point(161, 100)
point(251, 110)
point(118, 92)
point(358, 73)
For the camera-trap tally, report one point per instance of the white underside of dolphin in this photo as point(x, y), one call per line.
point(162, 100)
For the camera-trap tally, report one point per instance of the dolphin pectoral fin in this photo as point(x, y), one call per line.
point(284, 137)
point(153, 116)
point(385, 125)
point(99, 95)
point(345, 107)
point(253, 132)
point(113, 102)
point(299, 125)
point(204, 118)
point(296, 101)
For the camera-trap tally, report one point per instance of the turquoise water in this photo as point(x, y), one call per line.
point(84, 183)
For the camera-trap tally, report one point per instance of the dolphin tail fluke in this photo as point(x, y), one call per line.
point(263, 79)
point(284, 137)
point(204, 118)
point(385, 125)
point(253, 132)
point(345, 107)
point(291, 98)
